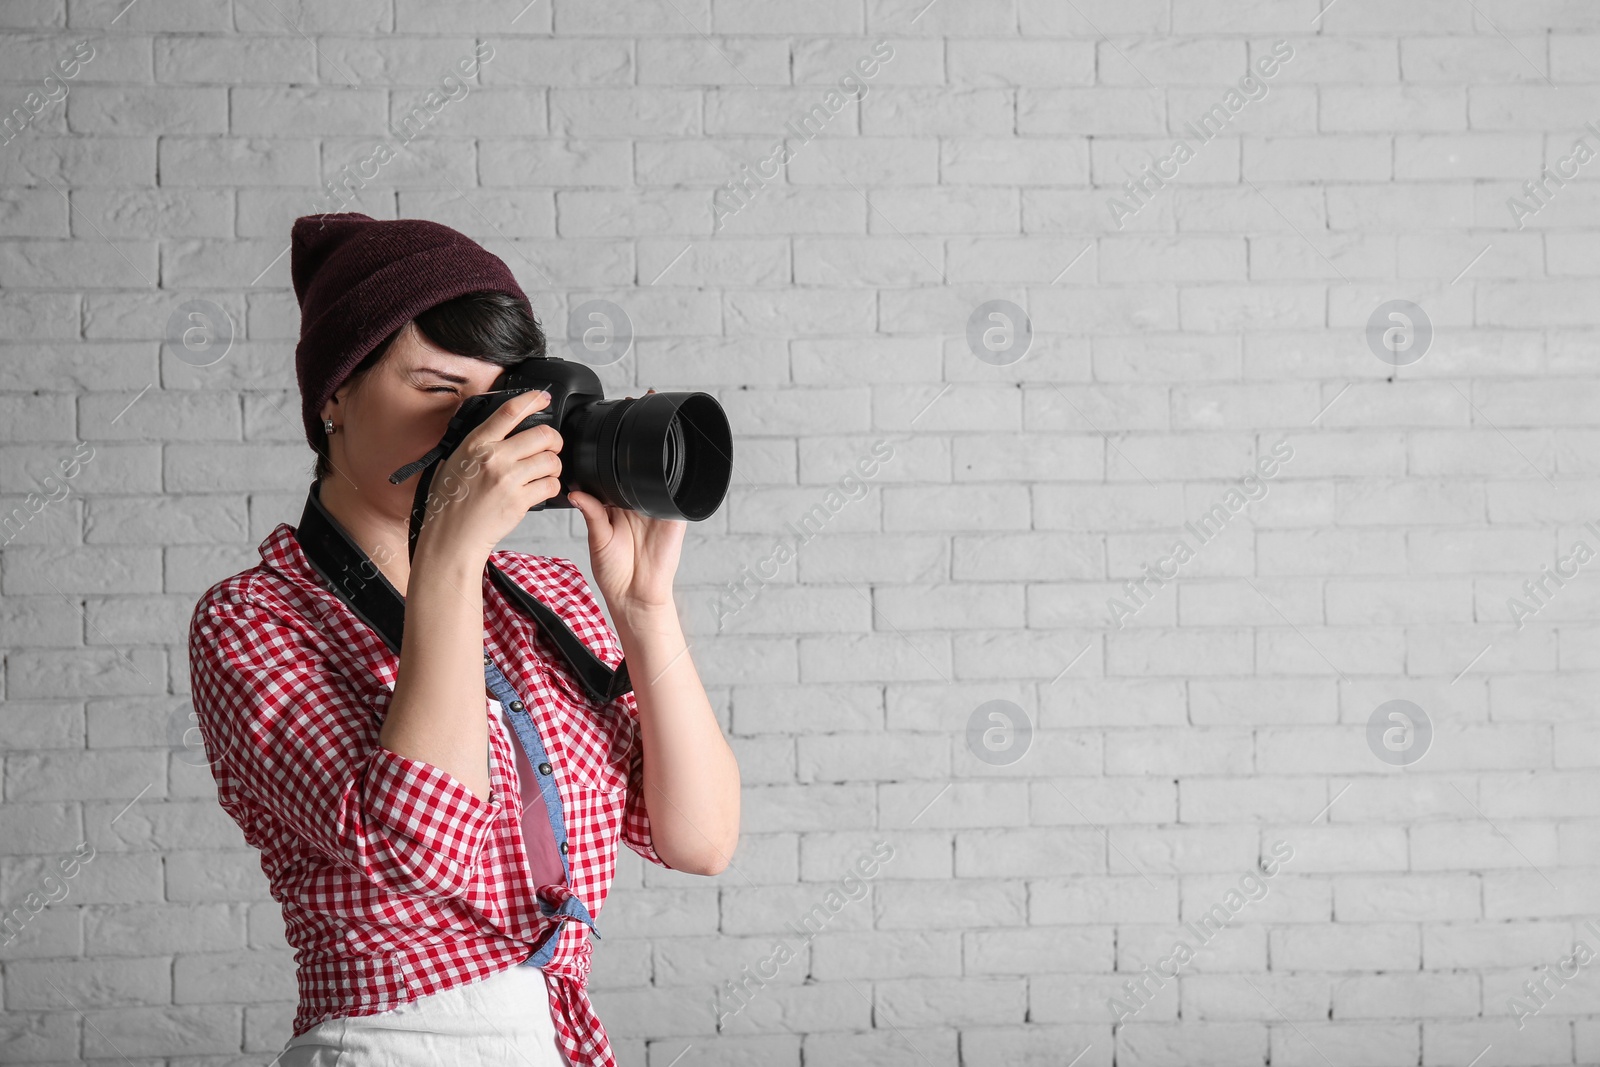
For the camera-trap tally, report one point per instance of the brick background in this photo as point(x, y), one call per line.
point(1226, 313)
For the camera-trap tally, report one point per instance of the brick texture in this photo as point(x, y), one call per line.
point(1098, 600)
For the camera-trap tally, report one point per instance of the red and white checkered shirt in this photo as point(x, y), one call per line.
point(396, 880)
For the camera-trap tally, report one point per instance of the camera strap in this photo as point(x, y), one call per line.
point(349, 573)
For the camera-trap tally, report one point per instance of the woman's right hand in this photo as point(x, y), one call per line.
point(483, 490)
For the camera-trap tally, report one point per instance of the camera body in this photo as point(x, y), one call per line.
point(571, 386)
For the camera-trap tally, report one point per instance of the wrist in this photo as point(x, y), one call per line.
point(646, 618)
point(450, 563)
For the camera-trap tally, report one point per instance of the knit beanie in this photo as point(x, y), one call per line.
point(358, 279)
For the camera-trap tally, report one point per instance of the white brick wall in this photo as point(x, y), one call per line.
point(1227, 313)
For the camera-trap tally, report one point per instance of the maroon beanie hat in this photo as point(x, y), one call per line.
point(358, 279)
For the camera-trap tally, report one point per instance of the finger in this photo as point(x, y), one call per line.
point(538, 466)
point(500, 423)
point(479, 441)
point(490, 434)
point(528, 444)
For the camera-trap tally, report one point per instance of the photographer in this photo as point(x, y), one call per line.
point(439, 877)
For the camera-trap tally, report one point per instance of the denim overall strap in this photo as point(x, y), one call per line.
point(527, 734)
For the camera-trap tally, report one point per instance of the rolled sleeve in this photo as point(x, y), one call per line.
point(444, 821)
point(292, 740)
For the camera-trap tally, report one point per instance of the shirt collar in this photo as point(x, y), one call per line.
point(282, 553)
point(281, 550)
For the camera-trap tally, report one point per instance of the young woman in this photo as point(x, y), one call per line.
point(442, 845)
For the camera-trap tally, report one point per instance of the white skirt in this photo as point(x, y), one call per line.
point(500, 1021)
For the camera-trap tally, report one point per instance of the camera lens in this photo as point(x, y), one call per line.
point(672, 457)
point(666, 455)
point(674, 454)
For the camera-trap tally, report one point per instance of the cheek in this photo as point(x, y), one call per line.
point(422, 427)
point(393, 429)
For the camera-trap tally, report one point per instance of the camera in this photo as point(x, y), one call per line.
point(666, 455)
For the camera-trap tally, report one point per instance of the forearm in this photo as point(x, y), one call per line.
point(691, 779)
point(437, 712)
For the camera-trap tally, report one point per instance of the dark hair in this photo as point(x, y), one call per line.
point(492, 326)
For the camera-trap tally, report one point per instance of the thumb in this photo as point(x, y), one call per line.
point(593, 512)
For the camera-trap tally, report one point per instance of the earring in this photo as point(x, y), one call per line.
point(327, 426)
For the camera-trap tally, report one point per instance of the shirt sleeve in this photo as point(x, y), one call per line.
point(290, 736)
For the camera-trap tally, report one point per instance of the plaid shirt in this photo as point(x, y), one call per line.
point(396, 880)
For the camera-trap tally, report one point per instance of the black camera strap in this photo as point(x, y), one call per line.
point(349, 573)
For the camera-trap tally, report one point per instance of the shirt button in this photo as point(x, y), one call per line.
point(516, 705)
point(563, 848)
point(544, 768)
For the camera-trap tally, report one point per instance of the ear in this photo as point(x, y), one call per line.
point(336, 401)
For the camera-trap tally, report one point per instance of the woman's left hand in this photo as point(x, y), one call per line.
point(634, 556)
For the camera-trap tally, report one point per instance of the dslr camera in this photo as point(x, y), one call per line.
point(666, 455)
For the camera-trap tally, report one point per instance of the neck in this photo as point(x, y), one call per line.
point(381, 535)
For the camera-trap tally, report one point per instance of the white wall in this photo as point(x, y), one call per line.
point(1174, 341)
